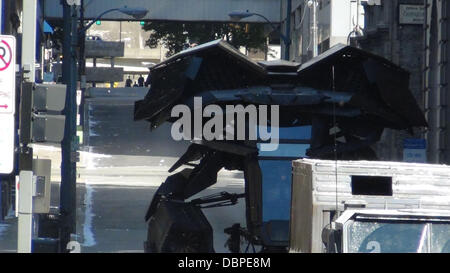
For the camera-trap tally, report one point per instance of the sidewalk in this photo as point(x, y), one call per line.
point(8, 236)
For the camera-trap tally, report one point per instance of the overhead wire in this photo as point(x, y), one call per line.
point(335, 138)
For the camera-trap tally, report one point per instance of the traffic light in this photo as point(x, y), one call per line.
point(47, 128)
point(41, 107)
point(47, 122)
point(49, 97)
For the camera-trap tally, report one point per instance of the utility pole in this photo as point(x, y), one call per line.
point(82, 65)
point(29, 39)
point(314, 28)
point(69, 143)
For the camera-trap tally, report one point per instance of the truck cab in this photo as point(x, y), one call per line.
point(369, 207)
point(389, 231)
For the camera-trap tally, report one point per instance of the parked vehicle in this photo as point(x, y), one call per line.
point(369, 206)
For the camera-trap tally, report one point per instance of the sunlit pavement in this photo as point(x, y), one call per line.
point(112, 201)
point(115, 200)
point(121, 165)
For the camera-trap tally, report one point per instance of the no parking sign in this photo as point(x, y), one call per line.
point(7, 74)
point(7, 102)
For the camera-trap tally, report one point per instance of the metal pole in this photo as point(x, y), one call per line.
point(1, 16)
point(25, 222)
point(29, 38)
point(98, 18)
point(69, 144)
point(25, 209)
point(82, 69)
point(358, 4)
point(287, 42)
point(24, 205)
point(286, 39)
point(314, 28)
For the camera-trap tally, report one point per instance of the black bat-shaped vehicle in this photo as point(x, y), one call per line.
point(334, 106)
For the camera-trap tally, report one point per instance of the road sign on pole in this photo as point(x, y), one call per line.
point(7, 102)
point(7, 74)
point(415, 150)
point(6, 144)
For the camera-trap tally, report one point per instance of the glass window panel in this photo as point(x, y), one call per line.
point(276, 189)
point(283, 150)
point(440, 238)
point(374, 237)
point(299, 133)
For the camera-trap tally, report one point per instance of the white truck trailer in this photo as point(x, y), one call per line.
point(369, 206)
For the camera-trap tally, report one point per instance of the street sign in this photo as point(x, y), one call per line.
point(412, 14)
point(414, 150)
point(6, 144)
point(7, 102)
point(7, 74)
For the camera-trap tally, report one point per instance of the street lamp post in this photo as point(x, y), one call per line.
point(238, 15)
point(314, 28)
point(136, 13)
point(69, 145)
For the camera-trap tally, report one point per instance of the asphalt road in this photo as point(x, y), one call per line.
point(111, 217)
point(123, 164)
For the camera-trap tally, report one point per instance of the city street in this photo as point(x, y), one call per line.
point(114, 190)
point(331, 115)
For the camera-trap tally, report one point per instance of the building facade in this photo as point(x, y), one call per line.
point(436, 74)
point(393, 29)
point(9, 17)
point(336, 20)
point(389, 28)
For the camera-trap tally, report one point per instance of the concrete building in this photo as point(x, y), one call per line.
point(336, 20)
point(436, 75)
point(393, 29)
point(9, 17)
